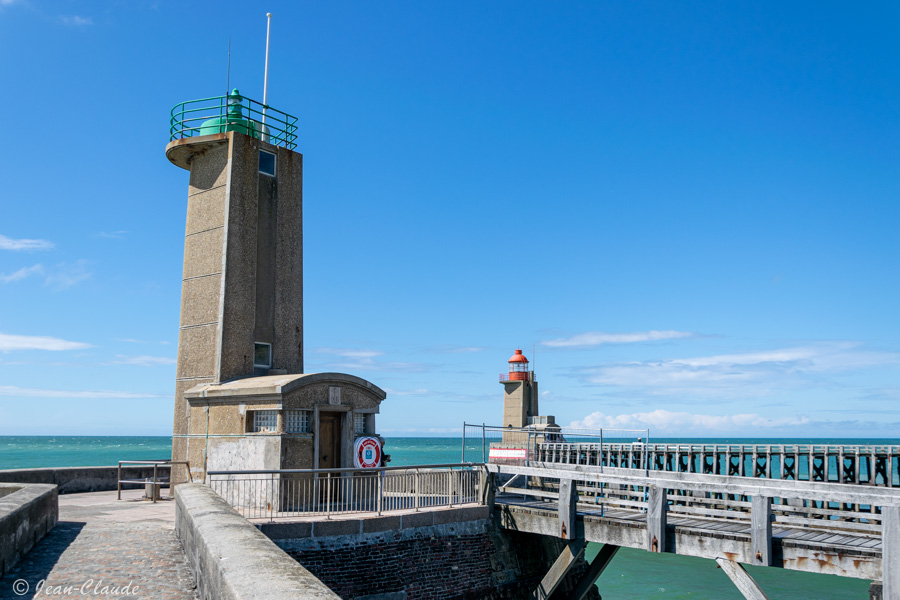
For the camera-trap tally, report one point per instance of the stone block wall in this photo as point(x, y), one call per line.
point(76, 480)
point(27, 513)
point(452, 561)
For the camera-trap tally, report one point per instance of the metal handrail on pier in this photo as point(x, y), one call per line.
point(156, 481)
point(293, 493)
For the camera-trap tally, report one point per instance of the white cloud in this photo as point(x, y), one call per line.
point(66, 275)
point(10, 343)
point(77, 21)
point(7, 243)
point(59, 277)
point(144, 361)
point(18, 392)
point(596, 338)
point(450, 349)
point(417, 392)
point(669, 422)
point(744, 375)
point(22, 273)
point(364, 360)
point(349, 353)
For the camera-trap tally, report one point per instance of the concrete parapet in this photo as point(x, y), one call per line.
point(27, 513)
point(75, 480)
point(391, 523)
point(231, 559)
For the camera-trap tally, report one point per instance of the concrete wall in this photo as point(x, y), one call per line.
point(27, 513)
point(74, 480)
point(231, 559)
point(455, 554)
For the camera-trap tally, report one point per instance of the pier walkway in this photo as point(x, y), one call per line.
point(102, 545)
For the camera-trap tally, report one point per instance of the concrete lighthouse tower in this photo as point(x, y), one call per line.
point(242, 401)
point(242, 286)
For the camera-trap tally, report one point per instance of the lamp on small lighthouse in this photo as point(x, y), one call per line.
point(520, 401)
point(518, 367)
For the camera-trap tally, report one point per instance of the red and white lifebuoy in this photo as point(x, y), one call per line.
point(367, 453)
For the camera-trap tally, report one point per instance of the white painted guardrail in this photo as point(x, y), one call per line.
point(291, 493)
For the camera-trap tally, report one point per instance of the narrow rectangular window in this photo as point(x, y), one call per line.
point(266, 163)
point(264, 421)
point(262, 355)
point(359, 423)
point(296, 421)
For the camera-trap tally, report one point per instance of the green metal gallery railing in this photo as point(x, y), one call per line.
point(233, 112)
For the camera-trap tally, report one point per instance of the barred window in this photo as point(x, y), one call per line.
point(359, 423)
point(264, 421)
point(296, 421)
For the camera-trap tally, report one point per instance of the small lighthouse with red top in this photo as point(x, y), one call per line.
point(520, 393)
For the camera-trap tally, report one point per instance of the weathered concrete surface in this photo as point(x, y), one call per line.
point(232, 559)
point(101, 545)
point(732, 542)
point(394, 524)
point(27, 513)
point(76, 480)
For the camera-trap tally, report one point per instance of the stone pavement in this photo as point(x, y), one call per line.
point(105, 548)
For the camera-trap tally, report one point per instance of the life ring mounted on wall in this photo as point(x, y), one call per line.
point(367, 453)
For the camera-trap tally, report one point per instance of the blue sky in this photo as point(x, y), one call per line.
point(684, 213)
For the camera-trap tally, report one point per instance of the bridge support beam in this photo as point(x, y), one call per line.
point(561, 567)
point(568, 499)
point(657, 505)
point(890, 552)
point(742, 580)
point(594, 570)
point(487, 481)
point(761, 532)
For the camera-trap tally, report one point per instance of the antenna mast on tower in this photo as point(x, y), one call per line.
point(228, 73)
point(266, 75)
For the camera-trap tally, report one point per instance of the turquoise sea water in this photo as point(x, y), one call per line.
point(632, 574)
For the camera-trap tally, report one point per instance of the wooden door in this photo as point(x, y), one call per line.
point(329, 440)
point(329, 456)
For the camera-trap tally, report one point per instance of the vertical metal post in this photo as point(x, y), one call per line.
point(417, 491)
point(380, 490)
point(463, 459)
point(450, 487)
point(119, 481)
point(483, 445)
point(601, 450)
point(153, 490)
point(271, 506)
point(528, 448)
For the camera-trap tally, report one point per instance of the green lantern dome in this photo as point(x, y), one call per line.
point(232, 120)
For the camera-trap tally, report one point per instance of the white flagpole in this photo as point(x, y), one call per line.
point(266, 76)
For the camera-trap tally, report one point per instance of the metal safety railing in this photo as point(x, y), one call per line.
point(292, 493)
point(544, 442)
point(829, 506)
point(154, 484)
point(234, 112)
